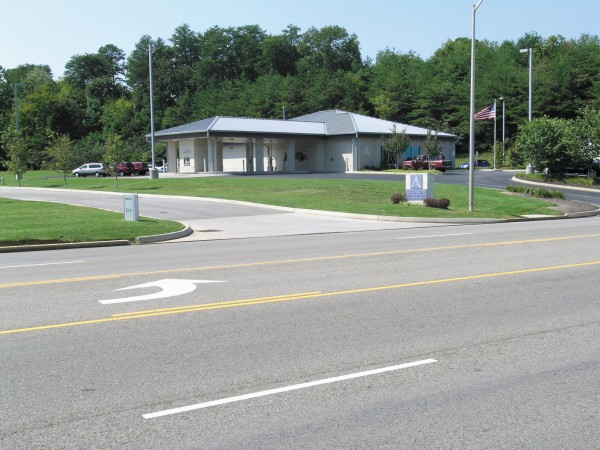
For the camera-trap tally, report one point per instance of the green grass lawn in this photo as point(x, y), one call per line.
point(354, 196)
point(25, 222)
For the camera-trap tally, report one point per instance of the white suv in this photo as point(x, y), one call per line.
point(96, 169)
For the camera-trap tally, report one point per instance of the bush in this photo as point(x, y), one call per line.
point(398, 198)
point(515, 159)
point(535, 192)
point(442, 203)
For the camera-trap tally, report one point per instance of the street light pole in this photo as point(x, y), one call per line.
point(472, 118)
point(530, 51)
point(17, 106)
point(153, 170)
point(495, 122)
point(503, 128)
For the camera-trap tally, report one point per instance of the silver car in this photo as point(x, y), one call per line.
point(96, 169)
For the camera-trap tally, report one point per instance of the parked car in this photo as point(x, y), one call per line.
point(161, 169)
point(591, 171)
point(424, 162)
point(140, 168)
point(123, 168)
point(478, 163)
point(96, 169)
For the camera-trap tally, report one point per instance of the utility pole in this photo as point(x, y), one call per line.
point(17, 106)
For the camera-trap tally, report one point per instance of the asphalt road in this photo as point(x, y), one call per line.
point(481, 336)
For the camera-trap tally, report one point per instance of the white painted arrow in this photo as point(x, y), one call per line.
point(170, 288)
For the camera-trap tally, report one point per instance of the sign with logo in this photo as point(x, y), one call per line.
point(419, 186)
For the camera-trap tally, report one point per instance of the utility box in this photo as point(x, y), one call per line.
point(131, 207)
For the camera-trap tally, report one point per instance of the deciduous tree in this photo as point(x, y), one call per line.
point(396, 144)
point(548, 143)
point(62, 155)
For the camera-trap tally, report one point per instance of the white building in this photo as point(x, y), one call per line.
point(324, 141)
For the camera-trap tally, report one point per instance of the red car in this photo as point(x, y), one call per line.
point(122, 168)
point(140, 168)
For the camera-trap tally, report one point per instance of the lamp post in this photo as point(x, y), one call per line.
point(472, 127)
point(17, 106)
point(503, 127)
point(495, 122)
point(530, 51)
point(153, 170)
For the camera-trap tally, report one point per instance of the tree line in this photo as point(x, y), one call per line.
point(101, 103)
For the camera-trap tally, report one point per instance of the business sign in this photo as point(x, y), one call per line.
point(419, 186)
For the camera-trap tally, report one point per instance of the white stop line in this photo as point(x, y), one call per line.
point(294, 387)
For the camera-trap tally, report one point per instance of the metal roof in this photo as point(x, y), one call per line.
point(342, 122)
point(195, 127)
point(237, 125)
point(321, 124)
point(337, 122)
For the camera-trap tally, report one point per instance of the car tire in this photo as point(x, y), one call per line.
point(120, 173)
point(77, 174)
point(97, 174)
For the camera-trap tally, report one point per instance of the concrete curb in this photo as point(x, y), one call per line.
point(165, 237)
point(115, 243)
point(536, 183)
point(31, 248)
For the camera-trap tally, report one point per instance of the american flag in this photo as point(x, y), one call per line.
point(486, 113)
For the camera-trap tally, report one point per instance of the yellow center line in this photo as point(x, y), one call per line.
point(286, 298)
point(298, 260)
point(218, 304)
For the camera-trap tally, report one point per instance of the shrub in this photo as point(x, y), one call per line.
point(518, 189)
point(535, 192)
point(442, 203)
point(397, 198)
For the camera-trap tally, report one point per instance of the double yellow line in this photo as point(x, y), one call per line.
point(286, 298)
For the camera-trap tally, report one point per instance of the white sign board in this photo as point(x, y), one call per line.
point(419, 186)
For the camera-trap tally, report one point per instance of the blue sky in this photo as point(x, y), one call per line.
point(51, 32)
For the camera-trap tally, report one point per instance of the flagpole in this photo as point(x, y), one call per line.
point(495, 115)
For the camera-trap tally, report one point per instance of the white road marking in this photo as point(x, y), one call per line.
point(434, 235)
point(169, 288)
point(294, 387)
point(41, 264)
